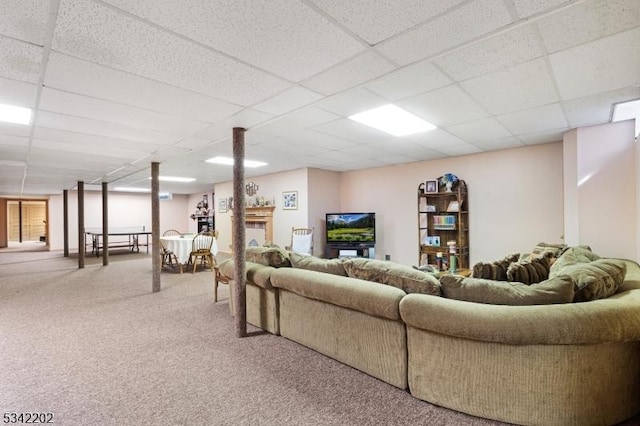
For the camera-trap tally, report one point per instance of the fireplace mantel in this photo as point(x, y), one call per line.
point(259, 215)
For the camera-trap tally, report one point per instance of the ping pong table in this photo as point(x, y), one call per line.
point(124, 238)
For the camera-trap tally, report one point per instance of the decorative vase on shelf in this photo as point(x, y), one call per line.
point(449, 185)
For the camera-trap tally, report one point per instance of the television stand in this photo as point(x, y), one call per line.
point(333, 251)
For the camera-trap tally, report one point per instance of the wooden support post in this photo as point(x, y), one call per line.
point(155, 226)
point(105, 225)
point(81, 247)
point(240, 292)
point(65, 221)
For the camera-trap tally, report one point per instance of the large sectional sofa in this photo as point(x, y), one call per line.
point(534, 353)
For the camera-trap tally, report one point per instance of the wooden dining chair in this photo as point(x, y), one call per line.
point(301, 240)
point(201, 249)
point(169, 257)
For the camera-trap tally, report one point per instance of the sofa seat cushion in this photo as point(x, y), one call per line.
point(364, 296)
point(268, 256)
point(312, 263)
point(479, 290)
point(257, 273)
point(403, 277)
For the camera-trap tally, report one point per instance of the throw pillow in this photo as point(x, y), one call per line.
point(573, 255)
point(384, 272)
point(268, 256)
point(530, 271)
point(495, 270)
point(540, 249)
point(312, 263)
point(556, 290)
point(598, 279)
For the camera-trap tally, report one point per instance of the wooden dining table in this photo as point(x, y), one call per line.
point(181, 246)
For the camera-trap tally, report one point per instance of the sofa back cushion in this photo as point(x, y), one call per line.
point(531, 271)
point(479, 290)
point(384, 272)
point(268, 256)
point(494, 270)
point(312, 263)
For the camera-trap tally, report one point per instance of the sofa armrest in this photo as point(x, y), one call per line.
point(257, 273)
point(615, 319)
point(364, 296)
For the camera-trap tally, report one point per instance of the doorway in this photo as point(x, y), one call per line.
point(27, 222)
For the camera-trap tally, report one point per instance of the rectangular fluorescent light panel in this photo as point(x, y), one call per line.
point(14, 114)
point(175, 179)
point(131, 189)
point(393, 120)
point(229, 162)
point(626, 111)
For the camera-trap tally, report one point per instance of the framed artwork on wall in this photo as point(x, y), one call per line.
point(290, 200)
point(222, 205)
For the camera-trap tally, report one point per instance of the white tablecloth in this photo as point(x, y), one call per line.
point(181, 246)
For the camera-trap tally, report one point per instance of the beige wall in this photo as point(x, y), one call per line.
point(125, 210)
point(601, 188)
point(271, 186)
point(324, 190)
point(515, 200)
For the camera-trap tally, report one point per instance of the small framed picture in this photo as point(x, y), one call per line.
point(453, 206)
point(222, 205)
point(432, 241)
point(431, 186)
point(290, 200)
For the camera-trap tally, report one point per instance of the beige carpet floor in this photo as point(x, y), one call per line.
point(94, 346)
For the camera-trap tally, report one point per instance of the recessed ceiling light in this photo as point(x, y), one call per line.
point(626, 111)
point(393, 120)
point(131, 189)
point(14, 114)
point(175, 179)
point(229, 162)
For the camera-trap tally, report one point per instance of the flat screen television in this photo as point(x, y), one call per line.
point(351, 228)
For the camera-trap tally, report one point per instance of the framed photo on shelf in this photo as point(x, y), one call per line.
point(431, 186)
point(222, 205)
point(290, 200)
point(432, 241)
point(453, 206)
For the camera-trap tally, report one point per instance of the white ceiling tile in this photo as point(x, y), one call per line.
point(310, 116)
point(81, 139)
point(293, 98)
point(460, 149)
point(410, 81)
point(14, 129)
point(596, 109)
point(94, 32)
point(247, 118)
point(452, 29)
point(101, 128)
point(284, 37)
point(436, 139)
point(375, 21)
point(22, 61)
point(504, 50)
point(87, 149)
point(586, 69)
point(527, 8)
point(192, 143)
point(516, 88)
point(86, 78)
point(588, 21)
point(487, 129)
point(353, 72)
point(503, 143)
point(548, 117)
point(445, 106)
point(25, 20)
point(98, 109)
point(17, 93)
point(543, 137)
point(352, 102)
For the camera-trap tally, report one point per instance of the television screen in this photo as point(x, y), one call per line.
point(351, 228)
